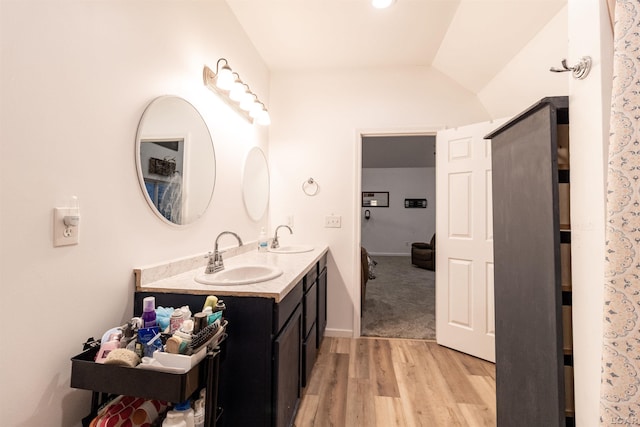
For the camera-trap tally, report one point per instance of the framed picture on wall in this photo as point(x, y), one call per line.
point(375, 199)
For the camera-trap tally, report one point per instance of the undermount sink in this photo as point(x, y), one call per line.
point(292, 249)
point(240, 275)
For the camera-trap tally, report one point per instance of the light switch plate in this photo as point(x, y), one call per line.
point(333, 221)
point(63, 235)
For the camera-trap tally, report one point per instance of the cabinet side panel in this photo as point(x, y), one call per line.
point(529, 373)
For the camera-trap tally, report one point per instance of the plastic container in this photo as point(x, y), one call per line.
point(149, 312)
point(263, 241)
point(180, 361)
point(188, 414)
point(174, 419)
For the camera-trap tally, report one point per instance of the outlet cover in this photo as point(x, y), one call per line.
point(333, 221)
point(63, 235)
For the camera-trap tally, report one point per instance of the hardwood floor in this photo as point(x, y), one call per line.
point(395, 382)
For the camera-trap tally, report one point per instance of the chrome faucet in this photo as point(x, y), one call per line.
point(215, 262)
point(274, 243)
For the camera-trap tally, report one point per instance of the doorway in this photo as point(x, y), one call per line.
point(397, 204)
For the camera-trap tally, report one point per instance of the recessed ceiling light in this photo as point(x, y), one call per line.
point(382, 4)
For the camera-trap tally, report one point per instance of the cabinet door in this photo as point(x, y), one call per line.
point(321, 324)
point(310, 310)
point(286, 370)
point(309, 352)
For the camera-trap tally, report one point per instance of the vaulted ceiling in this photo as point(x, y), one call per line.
point(468, 40)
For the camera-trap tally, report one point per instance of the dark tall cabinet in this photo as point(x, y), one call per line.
point(532, 261)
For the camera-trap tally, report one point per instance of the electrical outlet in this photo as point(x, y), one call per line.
point(64, 234)
point(333, 221)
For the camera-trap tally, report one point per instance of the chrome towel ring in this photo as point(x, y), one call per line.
point(310, 187)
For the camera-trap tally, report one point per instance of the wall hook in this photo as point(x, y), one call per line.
point(579, 71)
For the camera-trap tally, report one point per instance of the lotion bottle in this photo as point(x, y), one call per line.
point(263, 241)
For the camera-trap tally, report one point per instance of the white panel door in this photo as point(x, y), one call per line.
point(464, 241)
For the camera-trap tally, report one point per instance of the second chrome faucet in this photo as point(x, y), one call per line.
point(274, 243)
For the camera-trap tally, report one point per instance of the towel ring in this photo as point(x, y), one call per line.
point(307, 187)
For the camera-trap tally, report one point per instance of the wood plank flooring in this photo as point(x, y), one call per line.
point(379, 382)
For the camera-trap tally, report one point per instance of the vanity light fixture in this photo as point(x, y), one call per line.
point(237, 94)
point(237, 90)
point(382, 4)
point(224, 75)
point(262, 116)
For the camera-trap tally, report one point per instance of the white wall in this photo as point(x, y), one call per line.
point(589, 106)
point(390, 231)
point(526, 78)
point(317, 120)
point(76, 77)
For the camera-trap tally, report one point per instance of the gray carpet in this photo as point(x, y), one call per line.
point(400, 301)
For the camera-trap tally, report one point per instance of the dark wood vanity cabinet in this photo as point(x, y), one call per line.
point(310, 317)
point(532, 277)
point(321, 323)
point(268, 354)
point(286, 370)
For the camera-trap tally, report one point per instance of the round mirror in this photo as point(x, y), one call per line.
point(255, 184)
point(175, 159)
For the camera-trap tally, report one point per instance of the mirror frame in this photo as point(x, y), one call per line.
point(255, 154)
point(177, 135)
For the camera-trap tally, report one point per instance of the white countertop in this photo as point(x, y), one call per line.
point(294, 267)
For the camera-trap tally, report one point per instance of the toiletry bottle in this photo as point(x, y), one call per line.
point(174, 419)
point(187, 412)
point(210, 302)
point(149, 312)
point(106, 347)
point(199, 322)
point(263, 242)
point(220, 306)
point(198, 413)
point(127, 335)
point(175, 321)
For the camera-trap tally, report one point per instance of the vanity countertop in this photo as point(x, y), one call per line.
point(294, 267)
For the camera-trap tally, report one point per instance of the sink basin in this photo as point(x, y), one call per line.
point(292, 249)
point(240, 275)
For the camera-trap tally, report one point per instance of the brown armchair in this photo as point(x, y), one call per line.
point(364, 276)
point(423, 254)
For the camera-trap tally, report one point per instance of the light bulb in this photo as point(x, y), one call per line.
point(225, 79)
point(247, 101)
point(237, 91)
point(255, 109)
point(263, 118)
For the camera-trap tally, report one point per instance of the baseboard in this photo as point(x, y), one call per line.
point(338, 333)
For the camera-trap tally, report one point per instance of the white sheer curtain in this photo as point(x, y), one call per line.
point(620, 385)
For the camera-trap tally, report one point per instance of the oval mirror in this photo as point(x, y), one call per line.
point(255, 184)
point(175, 160)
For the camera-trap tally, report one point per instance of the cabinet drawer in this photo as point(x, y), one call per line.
point(309, 351)
point(310, 307)
point(283, 310)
